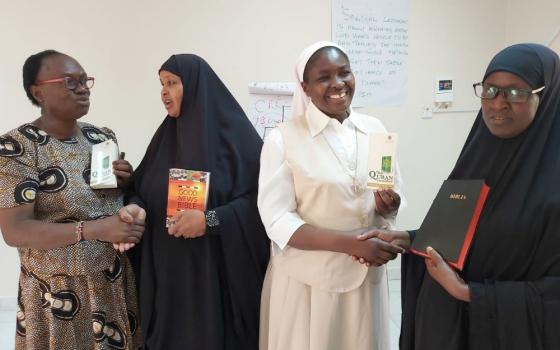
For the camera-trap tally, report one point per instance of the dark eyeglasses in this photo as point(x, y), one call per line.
point(71, 83)
point(513, 95)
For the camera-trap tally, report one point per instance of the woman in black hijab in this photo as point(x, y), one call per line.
point(200, 281)
point(508, 294)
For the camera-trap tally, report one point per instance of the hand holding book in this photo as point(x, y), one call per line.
point(437, 267)
point(451, 222)
point(440, 270)
point(189, 223)
point(187, 196)
point(446, 276)
point(123, 170)
point(386, 201)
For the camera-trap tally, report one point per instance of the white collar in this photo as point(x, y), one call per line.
point(318, 121)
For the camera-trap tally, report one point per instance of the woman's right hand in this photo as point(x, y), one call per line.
point(125, 227)
point(397, 238)
point(129, 214)
point(375, 251)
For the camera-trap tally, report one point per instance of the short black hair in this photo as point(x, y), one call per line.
point(315, 57)
point(31, 68)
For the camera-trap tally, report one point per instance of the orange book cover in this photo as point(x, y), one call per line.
point(188, 189)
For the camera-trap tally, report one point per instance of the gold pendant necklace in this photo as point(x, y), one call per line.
point(356, 187)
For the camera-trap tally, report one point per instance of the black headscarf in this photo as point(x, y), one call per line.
point(211, 134)
point(513, 268)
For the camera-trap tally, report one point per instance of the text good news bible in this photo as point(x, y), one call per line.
point(451, 221)
point(188, 189)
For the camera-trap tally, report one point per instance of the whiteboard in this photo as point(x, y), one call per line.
point(375, 35)
point(270, 103)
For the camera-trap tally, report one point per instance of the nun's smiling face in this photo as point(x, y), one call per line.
point(171, 92)
point(508, 119)
point(329, 82)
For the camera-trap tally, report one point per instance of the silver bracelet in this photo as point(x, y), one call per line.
point(211, 218)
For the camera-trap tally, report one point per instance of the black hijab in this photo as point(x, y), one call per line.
point(513, 268)
point(211, 134)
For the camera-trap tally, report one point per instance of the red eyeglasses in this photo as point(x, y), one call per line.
point(70, 83)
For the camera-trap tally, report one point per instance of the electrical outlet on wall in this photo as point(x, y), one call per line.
point(427, 112)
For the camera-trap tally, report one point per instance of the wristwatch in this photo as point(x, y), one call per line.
point(211, 218)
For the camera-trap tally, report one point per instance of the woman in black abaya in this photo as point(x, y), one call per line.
point(508, 295)
point(200, 281)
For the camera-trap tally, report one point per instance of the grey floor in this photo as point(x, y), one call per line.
point(395, 303)
point(7, 328)
point(8, 316)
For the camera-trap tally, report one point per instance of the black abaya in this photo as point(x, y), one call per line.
point(202, 293)
point(513, 268)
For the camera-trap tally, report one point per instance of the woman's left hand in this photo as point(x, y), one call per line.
point(131, 213)
point(446, 276)
point(123, 171)
point(188, 224)
point(387, 201)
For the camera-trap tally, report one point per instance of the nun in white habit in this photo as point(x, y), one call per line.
point(314, 203)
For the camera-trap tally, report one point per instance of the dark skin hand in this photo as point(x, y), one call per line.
point(400, 239)
point(123, 171)
point(374, 251)
point(386, 202)
point(131, 214)
point(438, 269)
point(21, 229)
point(446, 276)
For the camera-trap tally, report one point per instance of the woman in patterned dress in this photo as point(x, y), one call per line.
point(75, 290)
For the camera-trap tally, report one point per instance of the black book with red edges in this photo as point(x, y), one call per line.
point(450, 224)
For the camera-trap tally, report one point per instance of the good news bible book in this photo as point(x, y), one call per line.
point(451, 221)
point(188, 189)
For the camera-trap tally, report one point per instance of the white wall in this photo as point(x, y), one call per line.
point(444, 41)
point(536, 21)
point(123, 43)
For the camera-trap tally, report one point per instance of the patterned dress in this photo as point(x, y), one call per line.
point(81, 296)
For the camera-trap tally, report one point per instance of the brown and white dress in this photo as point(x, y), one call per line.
point(81, 296)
